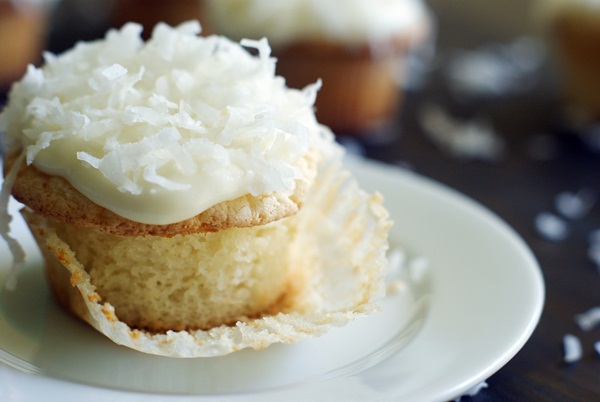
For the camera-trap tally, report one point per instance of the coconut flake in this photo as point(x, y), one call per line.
point(497, 69)
point(575, 205)
point(115, 71)
point(473, 391)
point(572, 349)
point(264, 50)
point(597, 347)
point(589, 319)
point(551, 227)
point(5, 218)
point(418, 268)
point(470, 139)
point(593, 250)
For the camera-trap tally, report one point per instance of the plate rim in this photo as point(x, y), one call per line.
point(536, 278)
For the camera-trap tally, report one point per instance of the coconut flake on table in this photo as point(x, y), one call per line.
point(575, 205)
point(468, 139)
point(473, 391)
point(589, 319)
point(597, 347)
point(593, 250)
point(497, 69)
point(551, 227)
point(573, 351)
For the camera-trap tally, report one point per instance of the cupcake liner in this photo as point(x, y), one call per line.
point(339, 270)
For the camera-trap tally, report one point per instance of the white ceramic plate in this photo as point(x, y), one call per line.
point(448, 329)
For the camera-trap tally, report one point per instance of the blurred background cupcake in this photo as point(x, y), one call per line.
point(149, 12)
point(571, 29)
point(358, 48)
point(23, 27)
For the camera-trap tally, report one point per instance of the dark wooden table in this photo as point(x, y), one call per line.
point(516, 187)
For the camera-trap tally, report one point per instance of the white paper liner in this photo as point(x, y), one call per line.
point(346, 230)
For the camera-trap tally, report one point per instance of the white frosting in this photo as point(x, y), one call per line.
point(158, 132)
point(290, 20)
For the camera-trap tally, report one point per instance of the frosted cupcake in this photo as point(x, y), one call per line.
point(148, 13)
point(358, 48)
point(186, 201)
point(572, 29)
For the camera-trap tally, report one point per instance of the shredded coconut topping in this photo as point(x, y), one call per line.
point(160, 131)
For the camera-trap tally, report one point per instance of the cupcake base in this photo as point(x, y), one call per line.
point(193, 281)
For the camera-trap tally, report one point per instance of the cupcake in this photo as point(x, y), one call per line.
point(572, 31)
point(186, 201)
point(22, 35)
point(358, 48)
point(148, 13)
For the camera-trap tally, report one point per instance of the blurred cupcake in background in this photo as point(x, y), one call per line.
point(358, 48)
point(23, 27)
point(572, 32)
point(150, 12)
